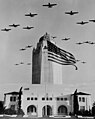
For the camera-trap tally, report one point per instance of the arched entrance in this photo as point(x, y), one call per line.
point(32, 110)
point(47, 110)
point(62, 110)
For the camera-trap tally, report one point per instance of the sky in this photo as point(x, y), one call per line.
point(55, 22)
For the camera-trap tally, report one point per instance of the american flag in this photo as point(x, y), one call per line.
point(60, 56)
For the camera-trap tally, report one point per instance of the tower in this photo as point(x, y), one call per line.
point(43, 70)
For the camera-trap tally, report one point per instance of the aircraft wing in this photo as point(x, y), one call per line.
point(27, 14)
point(75, 12)
point(53, 4)
point(45, 5)
point(67, 12)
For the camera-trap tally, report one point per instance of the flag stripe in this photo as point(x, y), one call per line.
point(62, 63)
point(53, 55)
point(59, 53)
point(58, 59)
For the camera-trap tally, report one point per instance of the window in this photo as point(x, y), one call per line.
point(51, 98)
point(43, 98)
point(57, 99)
point(32, 98)
point(65, 99)
point(35, 98)
point(12, 98)
point(28, 98)
point(61, 98)
point(79, 99)
point(47, 98)
point(83, 99)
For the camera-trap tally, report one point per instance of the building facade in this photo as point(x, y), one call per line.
point(41, 98)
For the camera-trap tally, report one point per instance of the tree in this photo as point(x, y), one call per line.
point(19, 100)
point(9, 111)
point(2, 108)
point(76, 105)
point(93, 109)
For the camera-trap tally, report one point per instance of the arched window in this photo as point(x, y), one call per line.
point(47, 110)
point(31, 109)
point(62, 110)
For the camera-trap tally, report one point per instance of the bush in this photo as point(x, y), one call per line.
point(9, 111)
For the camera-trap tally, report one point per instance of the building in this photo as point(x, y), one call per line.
point(40, 98)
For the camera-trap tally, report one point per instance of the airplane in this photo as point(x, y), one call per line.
point(29, 46)
point(92, 43)
point(93, 20)
point(77, 60)
point(65, 38)
point(14, 25)
point(87, 42)
point(79, 43)
point(5, 29)
point(21, 62)
point(28, 27)
point(28, 63)
point(22, 49)
point(16, 64)
point(82, 22)
point(83, 62)
point(71, 13)
point(49, 5)
point(31, 15)
point(53, 37)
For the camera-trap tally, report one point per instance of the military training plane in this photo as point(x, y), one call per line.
point(71, 13)
point(28, 27)
point(31, 15)
point(14, 25)
point(89, 42)
point(66, 39)
point(53, 37)
point(79, 43)
point(16, 64)
point(5, 29)
point(28, 46)
point(49, 5)
point(82, 22)
point(21, 62)
point(28, 63)
point(92, 20)
point(22, 49)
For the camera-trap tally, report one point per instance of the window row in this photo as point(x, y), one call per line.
point(35, 98)
point(81, 99)
point(12, 98)
point(32, 98)
point(60, 99)
point(47, 98)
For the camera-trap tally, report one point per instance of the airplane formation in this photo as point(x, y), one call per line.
point(17, 25)
point(49, 5)
point(21, 63)
point(87, 42)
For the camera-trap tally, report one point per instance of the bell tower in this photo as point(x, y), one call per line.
point(41, 67)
